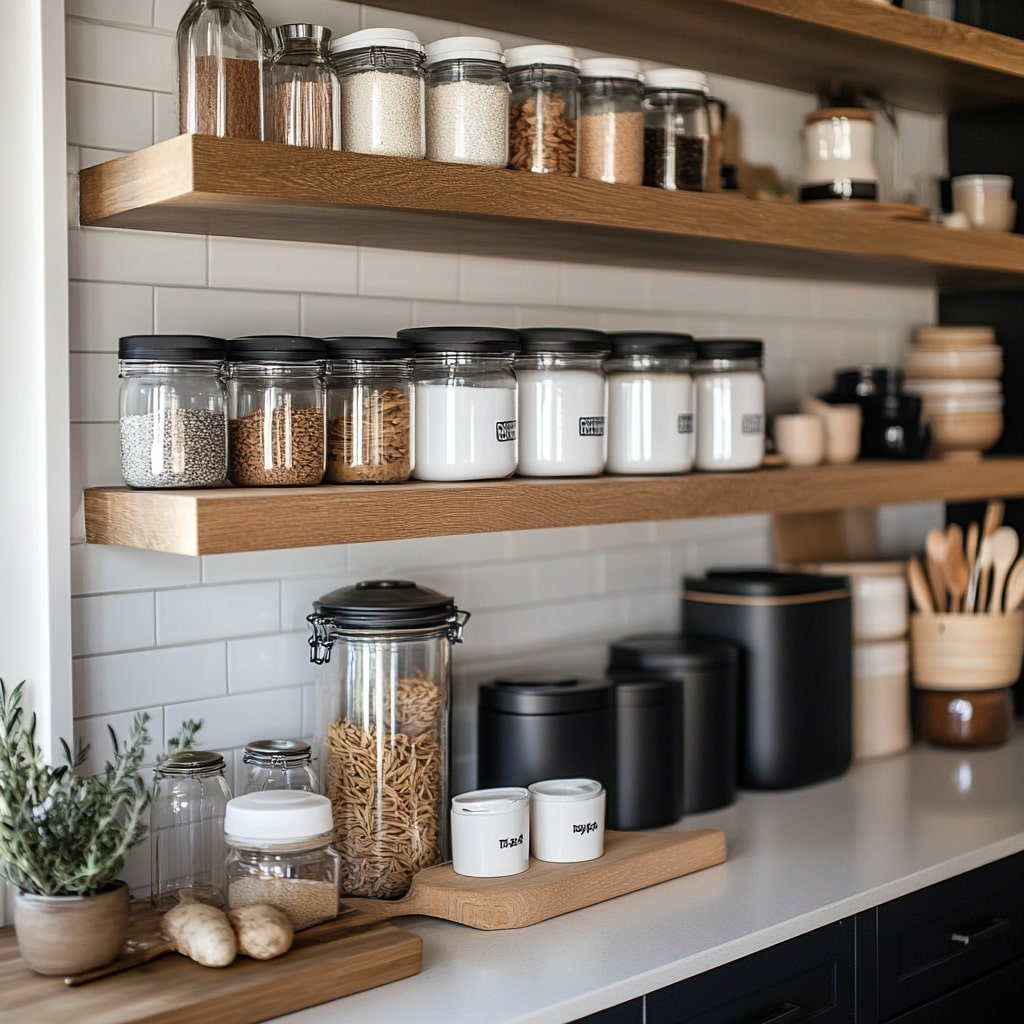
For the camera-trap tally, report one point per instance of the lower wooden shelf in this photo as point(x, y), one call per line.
point(234, 519)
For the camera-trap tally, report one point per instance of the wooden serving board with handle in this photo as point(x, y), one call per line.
point(349, 954)
point(631, 861)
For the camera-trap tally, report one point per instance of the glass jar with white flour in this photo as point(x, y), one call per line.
point(730, 404)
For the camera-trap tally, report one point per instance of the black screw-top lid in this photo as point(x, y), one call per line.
point(652, 343)
point(670, 655)
point(545, 696)
point(171, 348)
point(571, 340)
point(386, 604)
point(730, 348)
point(368, 348)
point(275, 348)
point(479, 340)
point(762, 583)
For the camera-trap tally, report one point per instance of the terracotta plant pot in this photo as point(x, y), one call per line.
point(70, 934)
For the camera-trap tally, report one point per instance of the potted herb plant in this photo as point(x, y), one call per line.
point(64, 838)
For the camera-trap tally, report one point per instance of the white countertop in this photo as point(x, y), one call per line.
point(798, 859)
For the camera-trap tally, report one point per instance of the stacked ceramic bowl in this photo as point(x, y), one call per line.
point(957, 371)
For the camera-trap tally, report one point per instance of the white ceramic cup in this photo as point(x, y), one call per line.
point(567, 820)
point(985, 199)
point(800, 438)
point(491, 832)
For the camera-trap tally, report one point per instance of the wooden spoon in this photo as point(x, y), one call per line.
point(992, 521)
point(956, 568)
point(1005, 545)
point(971, 550)
point(1015, 587)
point(935, 562)
point(919, 588)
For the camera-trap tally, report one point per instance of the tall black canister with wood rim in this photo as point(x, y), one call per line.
point(795, 637)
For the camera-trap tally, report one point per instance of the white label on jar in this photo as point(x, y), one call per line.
point(561, 422)
point(464, 433)
point(650, 422)
point(730, 420)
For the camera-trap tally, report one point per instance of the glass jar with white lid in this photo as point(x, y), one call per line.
point(562, 402)
point(650, 402)
point(611, 123)
point(676, 128)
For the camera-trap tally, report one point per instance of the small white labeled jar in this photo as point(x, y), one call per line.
point(491, 832)
point(464, 419)
point(730, 404)
point(567, 820)
point(562, 402)
point(650, 402)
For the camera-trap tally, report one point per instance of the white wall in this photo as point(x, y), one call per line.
point(224, 637)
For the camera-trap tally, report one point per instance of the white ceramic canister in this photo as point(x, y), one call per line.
point(464, 420)
point(491, 832)
point(730, 403)
point(567, 820)
point(881, 698)
point(879, 592)
point(839, 155)
point(562, 402)
point(650, 402)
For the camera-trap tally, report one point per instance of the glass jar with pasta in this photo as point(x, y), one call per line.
point(383, 689)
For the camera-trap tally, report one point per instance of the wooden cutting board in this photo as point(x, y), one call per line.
point(631, 861)
point(350, 954)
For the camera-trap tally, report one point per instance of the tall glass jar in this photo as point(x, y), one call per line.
point(221, 47)
point(611, 126)
point(650, 402)
point(465, 402)
point(369, 410)
point(676, 128)
point(278, 764)
point(383, 705)
point(543, 117)
point(301, 103)
point(279, 852)
point(380, 71)
point(730, 404)
point(172, 411)
point(276, 401)
point(186, 826)
point(562, 402)
point(467, 101)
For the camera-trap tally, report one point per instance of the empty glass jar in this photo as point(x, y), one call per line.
point(301, 104)
point(278, 764)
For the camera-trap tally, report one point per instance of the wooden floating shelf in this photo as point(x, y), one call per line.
point(203, 185)
point(255, 519)
point(914, 61)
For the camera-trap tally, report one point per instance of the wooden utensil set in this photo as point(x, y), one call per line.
point(974, 573)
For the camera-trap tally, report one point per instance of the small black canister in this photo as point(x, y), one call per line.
point(705, 670)
point(535, 729)
point(795, 634)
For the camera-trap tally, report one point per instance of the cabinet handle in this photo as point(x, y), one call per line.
point(989, 931)
point(784, 1014)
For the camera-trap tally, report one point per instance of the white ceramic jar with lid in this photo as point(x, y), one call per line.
point(650, 402)
point(380, 71)
point(730, 398)
point(467, 101)
point(611, 123)
point(839, 155)
point(567, 820)
point(562, 402)
point(491, 832)
point(677, 128)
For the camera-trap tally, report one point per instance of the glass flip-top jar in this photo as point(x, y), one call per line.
point(465, 402)
point(278, 764)
point(383, 705)
point(730, 404)
point(676, 128)
point(611, 125)
point(380, 71)
point(650, 402)
point(301, 104)
point(172, 411)
point(562, 402)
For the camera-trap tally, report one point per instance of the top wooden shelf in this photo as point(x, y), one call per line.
point(914, 61)
point(252, 189)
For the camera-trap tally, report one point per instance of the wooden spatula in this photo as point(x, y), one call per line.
point(955, 567)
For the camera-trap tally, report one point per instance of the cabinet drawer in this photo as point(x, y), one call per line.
point(949, 934)
point(809, 978)
point(625, 1013)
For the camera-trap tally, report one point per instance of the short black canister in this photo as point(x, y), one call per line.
point(794, 632)
point(705, 671)
point(531, 729)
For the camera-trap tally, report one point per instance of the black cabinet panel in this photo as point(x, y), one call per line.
point(625, 1013)
point(809, 978)
point(994, 998)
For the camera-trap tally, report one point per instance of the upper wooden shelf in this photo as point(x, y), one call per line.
point(255, 519)
point(914, 61)
point(204, 185)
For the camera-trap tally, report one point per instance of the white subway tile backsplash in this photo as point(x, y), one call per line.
point(539, 543)
point(103, 569)
point(167, 13)
point(327, 316)
point(605, 287)
point(165, 121)
point(136, 257)
point(429, 552)
point(234, 721)
point(95, 732)
point(128, 12)
point(225, 314)
point(633, 569)
point(462, 314)
point(408, 275)
point(112, 622)
point(99, 314)
point(499, 585)
point(194, 614)
point(94, 387)
point(282, 266)
point(256, 565)
point(482, 279)
point(119, 56)
point(112, 683)
point(95, 456)
point(109, 117)
point(269, 662)
point(426, 29)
